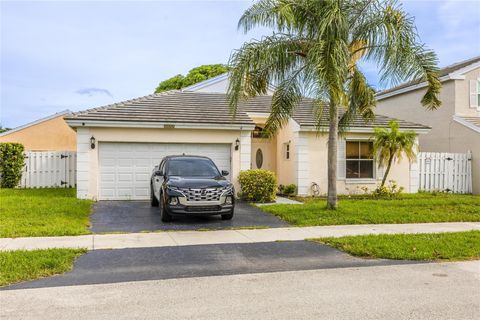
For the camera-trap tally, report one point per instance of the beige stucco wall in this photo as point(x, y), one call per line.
point(462, 140)
point(287, 169)
point(318, 169)
point(87, 163)
point(446, 135)
point(269, 151)
point(50, 135)
point(407, 106)
point(462, 95)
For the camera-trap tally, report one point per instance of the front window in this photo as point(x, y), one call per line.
point(359, 160)
point(287, 151)
point(478, 93)
point(258, 132)
point(192, 167)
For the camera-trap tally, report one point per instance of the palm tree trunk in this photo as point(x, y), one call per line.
point(389, 165)
point(332, 157)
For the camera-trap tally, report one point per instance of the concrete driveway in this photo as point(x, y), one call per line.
point(137, 216)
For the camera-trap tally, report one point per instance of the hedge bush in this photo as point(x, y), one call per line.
point(290, 190)
point(12, 161)
point(258, 185)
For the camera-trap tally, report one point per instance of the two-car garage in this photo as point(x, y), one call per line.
point(125, 168)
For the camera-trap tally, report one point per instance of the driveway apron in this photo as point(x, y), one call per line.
point(138, 216)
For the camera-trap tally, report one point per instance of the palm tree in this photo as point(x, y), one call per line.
point(391, 144)
point(315, 50)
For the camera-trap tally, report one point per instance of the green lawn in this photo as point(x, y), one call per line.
point(22, 265)
point(42, 212)
point(408, 208)
point(439, 246)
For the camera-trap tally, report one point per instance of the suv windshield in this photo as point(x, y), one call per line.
point(192, 167)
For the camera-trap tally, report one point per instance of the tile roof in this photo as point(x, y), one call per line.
point(208, 108)
point(473, 120)
point(442, 72)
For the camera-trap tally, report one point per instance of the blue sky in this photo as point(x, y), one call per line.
point(77, 55)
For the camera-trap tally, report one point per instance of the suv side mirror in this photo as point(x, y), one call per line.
point(159, 173)
point(225, 173)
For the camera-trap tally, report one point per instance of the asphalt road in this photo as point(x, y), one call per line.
point(121, 265)
point(137, 216)
point(412, 291)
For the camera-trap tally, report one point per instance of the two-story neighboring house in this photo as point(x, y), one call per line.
point(456, 124)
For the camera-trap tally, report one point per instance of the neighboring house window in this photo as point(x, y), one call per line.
point(478, 93)
point(287, 151)
point(475, 94)
point(359, 160)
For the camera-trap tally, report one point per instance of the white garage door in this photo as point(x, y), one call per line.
point(125, 168)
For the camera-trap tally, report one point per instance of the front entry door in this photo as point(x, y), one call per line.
point(263, 154)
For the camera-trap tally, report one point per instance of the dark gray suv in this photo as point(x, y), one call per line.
point(191, 185)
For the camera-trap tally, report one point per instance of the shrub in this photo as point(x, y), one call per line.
point(392, 190)
point(11, 164)
point(258, 185)
point(289, 190)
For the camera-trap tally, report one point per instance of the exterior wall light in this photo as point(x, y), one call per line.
point(237, 144)
point(92, 142)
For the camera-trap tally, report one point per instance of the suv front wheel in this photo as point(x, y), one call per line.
point(153, 199)
point(165, 216)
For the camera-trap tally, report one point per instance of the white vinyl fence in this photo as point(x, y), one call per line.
point(49, 169)
point(450, 172)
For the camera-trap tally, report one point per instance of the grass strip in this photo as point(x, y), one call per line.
point(452, 246)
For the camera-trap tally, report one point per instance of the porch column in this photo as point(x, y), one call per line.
point(83, 163)
point(245, 150)
point(302, 163)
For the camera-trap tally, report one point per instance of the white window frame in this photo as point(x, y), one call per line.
point(374, 171)
point(474, 94)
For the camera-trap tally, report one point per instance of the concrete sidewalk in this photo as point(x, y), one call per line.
point(184, 238)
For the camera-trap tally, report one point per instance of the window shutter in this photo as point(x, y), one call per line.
point(473, 93)
point(341, 158)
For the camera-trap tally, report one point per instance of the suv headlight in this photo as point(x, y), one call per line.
point(228, 189)
point(175, 191)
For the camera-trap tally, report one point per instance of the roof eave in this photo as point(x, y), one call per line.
point(466, 123)
point(30, 124)
point(87, 123)
point(456, 75)
point(367, 129)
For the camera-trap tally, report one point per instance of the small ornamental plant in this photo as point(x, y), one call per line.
point(12, 161)
point(258, 185)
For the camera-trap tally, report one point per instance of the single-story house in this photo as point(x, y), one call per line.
point(118, 145)
point(47, 134)
point(456, 124)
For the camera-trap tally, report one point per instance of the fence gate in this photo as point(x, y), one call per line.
point(49, 169)
point(451, 172)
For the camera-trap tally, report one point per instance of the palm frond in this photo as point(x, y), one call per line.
point(392, 42)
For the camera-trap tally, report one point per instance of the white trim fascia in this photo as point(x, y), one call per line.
point(216, 79)
point(258, 114)
point(456, 75)
point(461, 72)
point(205, 83)
point(140, 124)
point(413, 87)
point(466, 123)
point(53, 116)
point(366, 130)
